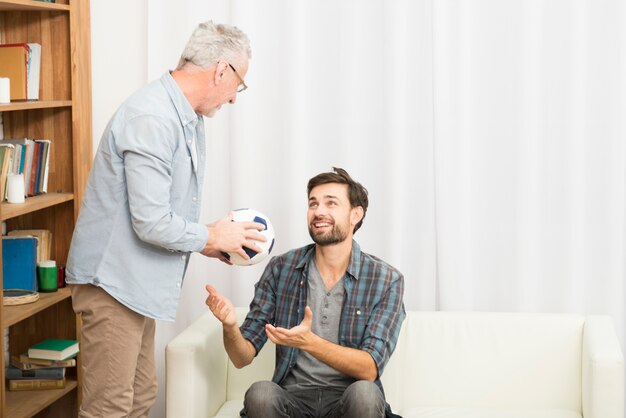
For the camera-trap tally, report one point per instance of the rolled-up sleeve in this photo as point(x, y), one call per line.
point(262, 309)
point(384, 323)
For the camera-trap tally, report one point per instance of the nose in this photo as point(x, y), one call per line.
point(319, 210)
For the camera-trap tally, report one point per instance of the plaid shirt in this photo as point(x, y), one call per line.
point(371, 316)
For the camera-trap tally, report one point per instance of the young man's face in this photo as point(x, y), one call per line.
point(330, 218)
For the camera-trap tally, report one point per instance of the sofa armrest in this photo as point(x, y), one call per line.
point(196, 366)
point(603, 370)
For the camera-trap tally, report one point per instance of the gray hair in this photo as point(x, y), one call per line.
point(212, 42)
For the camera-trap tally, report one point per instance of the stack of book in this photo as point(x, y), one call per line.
point(29, 157)
point(21, 63)
point(43, 367)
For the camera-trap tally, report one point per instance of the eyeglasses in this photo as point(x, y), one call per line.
point(243, 86)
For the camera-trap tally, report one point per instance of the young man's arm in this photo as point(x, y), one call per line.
point(366, 362)
point(240, 351)
point(350, 361)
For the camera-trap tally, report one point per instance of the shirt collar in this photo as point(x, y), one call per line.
point(354, 266)
point(185, 112)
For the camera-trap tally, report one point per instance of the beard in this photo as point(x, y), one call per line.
point(336, 235)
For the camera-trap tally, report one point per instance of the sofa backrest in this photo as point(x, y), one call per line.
point(487, 360)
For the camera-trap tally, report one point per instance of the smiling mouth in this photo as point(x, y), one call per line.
point(321, 224)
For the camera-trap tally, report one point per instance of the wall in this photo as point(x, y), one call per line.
point(119, 56)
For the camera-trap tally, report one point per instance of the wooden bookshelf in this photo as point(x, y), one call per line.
point(22, 404)
point(63, 115)
point(11, 315)
point(12, 210)
point(37, 104)
point(32, 5)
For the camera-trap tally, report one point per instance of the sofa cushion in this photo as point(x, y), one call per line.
point(231, 410)
point(487, 413)
point(487, 360)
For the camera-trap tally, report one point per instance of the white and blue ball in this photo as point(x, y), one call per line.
point(251, 215)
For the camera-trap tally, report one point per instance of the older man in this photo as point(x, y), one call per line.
point(139, 220)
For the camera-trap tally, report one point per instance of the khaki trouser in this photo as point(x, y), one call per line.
point(117, 351)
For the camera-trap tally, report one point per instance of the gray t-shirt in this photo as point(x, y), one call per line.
point(326, 305)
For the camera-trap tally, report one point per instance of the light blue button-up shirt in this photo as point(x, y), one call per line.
point(138, 222)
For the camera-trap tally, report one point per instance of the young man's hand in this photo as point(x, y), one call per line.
point(221, 307)
point(298, 336)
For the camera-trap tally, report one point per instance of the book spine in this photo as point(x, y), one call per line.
point(31, 363)
point(40, 163)
point(48, 373)
point(36, 384)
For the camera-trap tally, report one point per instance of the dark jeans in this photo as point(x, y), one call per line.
point(362, 399)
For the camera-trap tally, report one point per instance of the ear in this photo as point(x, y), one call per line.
point(220, 72)
point(356, 214)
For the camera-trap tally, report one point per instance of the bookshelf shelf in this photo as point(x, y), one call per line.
point(32, 5)
point(63, 116)
point(24, 404)
point(35, 203)
point(13, 314)
point(35, 104)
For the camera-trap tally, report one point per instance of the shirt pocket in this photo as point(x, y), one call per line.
point(355, 324)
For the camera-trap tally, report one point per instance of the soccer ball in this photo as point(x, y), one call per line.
point(251, 215)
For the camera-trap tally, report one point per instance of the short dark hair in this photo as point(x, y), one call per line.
point(356, 192)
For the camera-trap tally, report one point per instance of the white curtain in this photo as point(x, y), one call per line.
point(490, 133)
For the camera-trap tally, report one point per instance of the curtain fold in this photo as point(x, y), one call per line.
point(490, 134)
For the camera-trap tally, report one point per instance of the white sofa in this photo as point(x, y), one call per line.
point(446, 365)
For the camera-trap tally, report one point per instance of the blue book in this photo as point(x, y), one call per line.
point(40, 164)
point(19, 263)
point(49, 373)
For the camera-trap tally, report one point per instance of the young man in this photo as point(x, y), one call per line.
point(333, 311)
point(139, 220)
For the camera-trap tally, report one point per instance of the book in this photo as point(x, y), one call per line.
point(12, 372)
point(19, 263)
point(33, 173)
point(44, 240)
point(15, 166)
point(40, 163)
point(36, 384)
point(42, 182)
point(6, 158)
point(23, 362)
point(53, 349)
point(34, 72)
point(14, 65)
point(33, 67)
point(28, 147)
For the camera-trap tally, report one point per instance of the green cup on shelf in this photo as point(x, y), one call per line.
point(47, 276)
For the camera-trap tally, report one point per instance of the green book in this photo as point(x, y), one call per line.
point(53, 349)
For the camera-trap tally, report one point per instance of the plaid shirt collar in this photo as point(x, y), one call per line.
point(354, 266)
